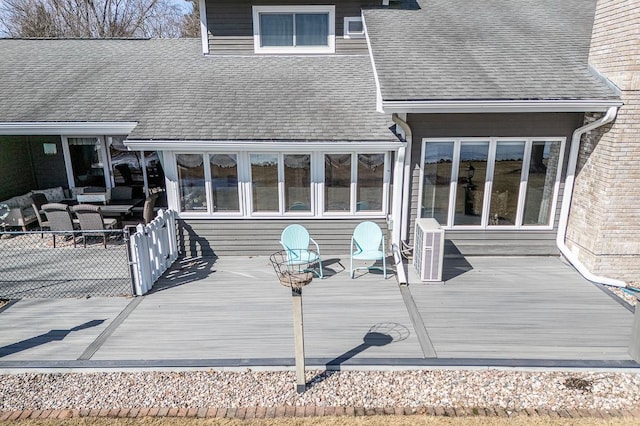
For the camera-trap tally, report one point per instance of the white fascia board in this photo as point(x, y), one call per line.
point(204, 31)
point(379, 102)
point(271, 146)
point(68, 128)
point(435, 107)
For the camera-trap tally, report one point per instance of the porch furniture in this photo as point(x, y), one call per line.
point(92, 223)
point(367, 243)
point(147, 213)
point(116, 210)
point(299, 205)
point(20, 211)
point(37, 201)
point(94, 197)
point(119, 193)
point(60, 220)
point(295, 240)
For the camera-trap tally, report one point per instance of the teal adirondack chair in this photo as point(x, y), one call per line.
point(295, 240)
point(367, 243)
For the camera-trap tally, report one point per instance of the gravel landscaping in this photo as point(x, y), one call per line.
point(416, 388)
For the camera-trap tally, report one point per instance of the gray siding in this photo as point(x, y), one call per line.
point(492, 125)
point(230, 25)
point(257, 237)
point(23, 165)
point(16, 173)
point(49, 170)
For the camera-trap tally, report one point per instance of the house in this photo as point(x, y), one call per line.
point(510, 123)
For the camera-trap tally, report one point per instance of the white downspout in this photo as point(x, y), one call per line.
point(401, 197)
point(407, 173)
point(568, 194)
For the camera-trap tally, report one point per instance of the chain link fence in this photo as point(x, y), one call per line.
point(64, 264)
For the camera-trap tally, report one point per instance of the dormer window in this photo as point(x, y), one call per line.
point(294, 29)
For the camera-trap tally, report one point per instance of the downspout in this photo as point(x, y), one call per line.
point(568, 194)
point(401, 198)
point(407, 173)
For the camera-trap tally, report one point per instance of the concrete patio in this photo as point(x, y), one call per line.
point(232, 312)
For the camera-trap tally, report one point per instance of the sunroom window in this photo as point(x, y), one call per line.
point(191, 180)
point(224, 182)
point(354, 182)
point(272, 184)
point(491, 183)
point(294, 29)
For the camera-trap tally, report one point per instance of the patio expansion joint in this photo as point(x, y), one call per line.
point(418, 324)
point(107, 332)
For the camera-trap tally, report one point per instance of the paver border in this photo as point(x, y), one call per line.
point(290, 411)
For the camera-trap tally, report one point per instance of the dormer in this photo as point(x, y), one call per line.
point(283, 27)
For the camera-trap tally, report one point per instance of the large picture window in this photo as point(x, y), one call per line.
point(294, 29)
point(272, 184)
point(491, 183)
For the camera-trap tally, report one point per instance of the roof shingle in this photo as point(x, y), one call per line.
point(481, 50)
point(176, 93)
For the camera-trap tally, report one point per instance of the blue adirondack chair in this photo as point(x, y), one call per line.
point(295, 240)
point(367, 243)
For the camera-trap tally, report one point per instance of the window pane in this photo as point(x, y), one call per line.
point(191, 182)
point(506, 183)
point(86, 162)
point(541, 182)
point(370, 182)
point(438, 157)
point(337, 182)
point(224, 182)
point(472, 173)
point(276, 29)
point(264, 172)
point(355, 26)
point(312, 29)
point(297, 182)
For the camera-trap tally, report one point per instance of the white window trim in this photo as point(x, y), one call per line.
point(519, 226)
point(354, 35)
point(353, 192)
point(331, 39)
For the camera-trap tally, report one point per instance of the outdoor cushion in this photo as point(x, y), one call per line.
point(19, 201)
point(53, 195)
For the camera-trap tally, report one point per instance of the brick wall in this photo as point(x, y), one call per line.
point(604, 225)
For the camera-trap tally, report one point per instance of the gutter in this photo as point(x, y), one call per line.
point(68, 128)
point(568, 194)
point(401, 177)
point(496, 106)
point(192, 145)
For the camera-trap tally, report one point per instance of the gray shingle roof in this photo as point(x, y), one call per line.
point(175, 92)
point(480, 50)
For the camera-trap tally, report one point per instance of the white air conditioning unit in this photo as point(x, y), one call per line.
point(428, 249)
